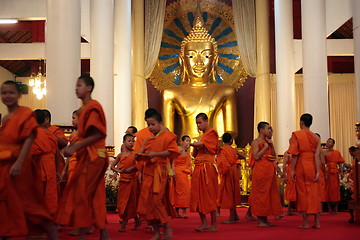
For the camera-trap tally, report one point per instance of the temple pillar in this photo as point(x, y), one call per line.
point(139, 89)
point(102, 59)
point(313, 20)
point(122, 70)
point(62, 34)
point(285, 78)
point(356, 33)
point(262, 98)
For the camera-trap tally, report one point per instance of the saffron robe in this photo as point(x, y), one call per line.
point(43, 150)
point(181, 195)
point(72, 160)
point(83, 203)
point(21, 201)
point(290, 190)
point(58, 132)
point(152, 200)
point(204, 181)
point(129, 189)
point(303, 144)
point(332, 185)
point(229, 190)
point(264, 198)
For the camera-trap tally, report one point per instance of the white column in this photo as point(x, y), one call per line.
point(356, 33)
point(139, 88)
point(262, 99)
point(62, 58)
point(102, 59)
point(313, 20)
point(285, 79)
point(122, 70)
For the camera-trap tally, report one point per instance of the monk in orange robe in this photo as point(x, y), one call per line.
point(229, 193)
point(129, 184)
point(305, 149)
point(155, 153)
point(43, 150)
point(21, 201)
point(264, 198)
point(74, 138)
point(290, 191)
point(59, 134)
point(204, 181)
point(334, 162)
point(182, 169)
point(83, 203)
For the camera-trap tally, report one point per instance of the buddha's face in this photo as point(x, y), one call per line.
point(199, 60)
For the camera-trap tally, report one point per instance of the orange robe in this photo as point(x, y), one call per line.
point(140, 138)
point(264, 198)
point(72, 159)
point(321, 186)
point(129, 188)
point(229, 193)
point(181, 194)
point(204, 181)
point(21, 201)
point(332, 185)
point(43, 151)
point(58, 132)
point(83, 203)
point(303, 144)
point(152, 203)
point(290, 190)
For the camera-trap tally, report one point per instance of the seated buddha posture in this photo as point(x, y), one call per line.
point(198, 91)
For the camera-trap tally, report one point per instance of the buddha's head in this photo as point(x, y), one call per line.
point(199, 55)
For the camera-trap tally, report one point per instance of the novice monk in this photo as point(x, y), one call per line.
point(21, 206)
point(229, 193)
point(143, 133)
point(204, 181)
point(129, 184)
point(290, 191)
point(334, 162)
point(83, 202)
point(305, 149)
point(182, 172)
point(264, 198)
point(154, 154)
point(43, 150)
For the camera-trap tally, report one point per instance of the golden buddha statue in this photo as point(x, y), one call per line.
point(198, 91)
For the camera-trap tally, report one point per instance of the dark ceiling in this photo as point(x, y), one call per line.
point(33, 31)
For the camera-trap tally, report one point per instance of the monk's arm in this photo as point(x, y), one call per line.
point(322, 164)
point(255, 150)
point(163, 154)
point(61, 142)
point(197, 144)
point(93, 136)
point(16, 167)
point(115, 162)
point(293, 164)
point(317, 160)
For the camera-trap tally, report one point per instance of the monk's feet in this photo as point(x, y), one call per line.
point(251, 218)
point(168, 233)
point(270, 224)
point(304, 227)
point(137, 224)
point(156, 237)
point(351, 220)
point(262, 225)
point(316, 227)
point(229, 221)
point(184, 216)
point(212, 228)
point(291, 213)
point(38, 236)
point(201, 228)
point(104, 234)
point(277, 217)
point(236, 218)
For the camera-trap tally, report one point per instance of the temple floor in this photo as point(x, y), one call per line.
point(332, 227)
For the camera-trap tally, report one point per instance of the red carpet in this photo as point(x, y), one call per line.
point(332, 227)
